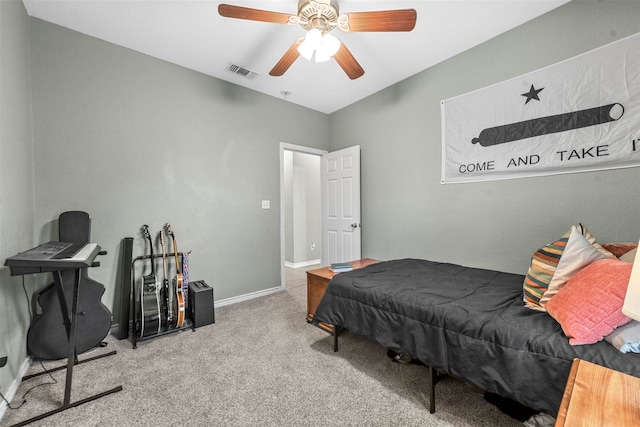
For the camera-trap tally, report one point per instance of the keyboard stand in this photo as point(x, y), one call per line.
point(70, 318)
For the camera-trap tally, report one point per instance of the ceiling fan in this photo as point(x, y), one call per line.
point(319, 17)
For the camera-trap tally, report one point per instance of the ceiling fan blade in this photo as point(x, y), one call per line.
point(384, 20)
point(239, 12)
point(348, 63)
point(287, 59)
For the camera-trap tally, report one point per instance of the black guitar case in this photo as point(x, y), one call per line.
point(47, 338)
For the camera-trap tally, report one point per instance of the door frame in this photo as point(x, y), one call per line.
point(284, 146)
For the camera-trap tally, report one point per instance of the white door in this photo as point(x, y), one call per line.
point(341, 231)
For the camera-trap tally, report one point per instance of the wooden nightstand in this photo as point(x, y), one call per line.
point(317, 281)
point(597, 396)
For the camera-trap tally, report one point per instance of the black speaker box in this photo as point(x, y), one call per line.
point(201, 310)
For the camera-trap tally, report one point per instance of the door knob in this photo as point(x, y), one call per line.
point(354, 225)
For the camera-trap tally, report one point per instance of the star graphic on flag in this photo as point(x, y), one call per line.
point(532, 94)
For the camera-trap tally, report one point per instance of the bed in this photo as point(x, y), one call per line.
point(469, 323)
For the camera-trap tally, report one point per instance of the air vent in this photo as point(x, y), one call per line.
point(241, 71)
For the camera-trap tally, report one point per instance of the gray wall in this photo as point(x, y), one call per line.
point(16, 185)
point(134, 140)
point(408, 213)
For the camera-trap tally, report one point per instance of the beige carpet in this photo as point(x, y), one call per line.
point(260, 364)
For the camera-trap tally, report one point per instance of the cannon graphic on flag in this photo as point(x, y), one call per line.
point(550, 124)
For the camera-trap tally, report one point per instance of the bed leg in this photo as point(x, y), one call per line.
point(335, 338)
point(432, 390)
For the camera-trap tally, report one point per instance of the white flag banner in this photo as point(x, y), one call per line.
point(582, 114)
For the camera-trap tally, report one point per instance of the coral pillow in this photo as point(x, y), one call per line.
point(589, 306)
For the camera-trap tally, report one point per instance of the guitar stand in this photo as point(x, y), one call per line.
point(188, 324)
point(70, 319)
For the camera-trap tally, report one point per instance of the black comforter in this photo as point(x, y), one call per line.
point(466, 322)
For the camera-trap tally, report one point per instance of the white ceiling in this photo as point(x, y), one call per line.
point(193, 35)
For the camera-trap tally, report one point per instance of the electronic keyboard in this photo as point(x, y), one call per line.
point(53, 256)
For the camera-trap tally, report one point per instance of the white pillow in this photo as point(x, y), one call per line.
point(578, 253)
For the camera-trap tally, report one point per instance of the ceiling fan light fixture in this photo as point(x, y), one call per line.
point(324, 46)
point(306, 50)
point(321, 56)
point(329, 46)
point(312, 40)
point(314, 37)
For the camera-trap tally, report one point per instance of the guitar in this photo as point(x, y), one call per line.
point(178, 305)
point(149, 296)
point(168, 300)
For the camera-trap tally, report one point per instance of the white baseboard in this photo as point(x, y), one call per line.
point(302, 264)
point(14, 386)
point(247, 297)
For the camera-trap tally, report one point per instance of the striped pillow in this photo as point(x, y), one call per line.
point(543, 264)
point(539, 283)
